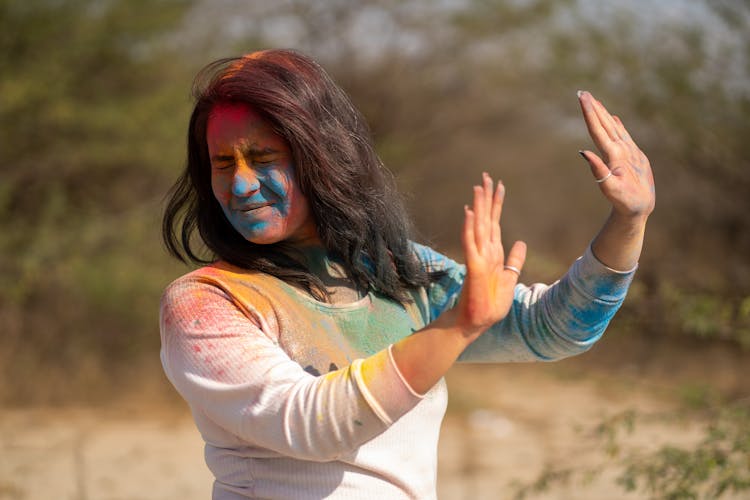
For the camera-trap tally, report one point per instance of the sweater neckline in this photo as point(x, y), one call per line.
point(339, 307)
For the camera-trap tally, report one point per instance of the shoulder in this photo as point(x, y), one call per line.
point(218, 275)
point(432, 260)
point(221, 290)
point(212, 300)
point(191, 284)
point(446, 280)
point(218, 285)
point(194, 292)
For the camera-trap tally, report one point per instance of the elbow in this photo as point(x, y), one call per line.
point(585, 325)
point(571, 326)
point(572, 337)
point(302, 451)
point(321, 428)
point(310, 442)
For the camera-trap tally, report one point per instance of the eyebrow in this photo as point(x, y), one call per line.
point(246, 151)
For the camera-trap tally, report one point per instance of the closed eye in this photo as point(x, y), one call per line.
point(264, 161)
point(222, 162)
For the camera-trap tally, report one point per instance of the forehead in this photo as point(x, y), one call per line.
point(229, 122)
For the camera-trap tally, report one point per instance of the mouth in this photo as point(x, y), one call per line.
point(251, 207)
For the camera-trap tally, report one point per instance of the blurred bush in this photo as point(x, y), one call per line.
point(92, 112)
point(715, 466)
point(94, 102)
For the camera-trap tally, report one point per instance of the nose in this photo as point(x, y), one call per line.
point(245, 181)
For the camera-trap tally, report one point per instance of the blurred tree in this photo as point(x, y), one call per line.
point(682, 87)
point(686, 91)
point(486, 84)
point(93, 105)
point(94, 101)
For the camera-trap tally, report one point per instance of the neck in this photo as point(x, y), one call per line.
point(331, 272)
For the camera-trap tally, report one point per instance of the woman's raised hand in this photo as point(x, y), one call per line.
point(487, 292)
point(623, 172)
point(486, 296)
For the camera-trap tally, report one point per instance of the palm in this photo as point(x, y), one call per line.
point(487, 293)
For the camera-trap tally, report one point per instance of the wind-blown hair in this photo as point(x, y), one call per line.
point(358, 213)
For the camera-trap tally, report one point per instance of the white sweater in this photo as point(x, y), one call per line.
point(274, 378)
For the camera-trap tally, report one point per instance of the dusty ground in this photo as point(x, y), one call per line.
point(535, 415)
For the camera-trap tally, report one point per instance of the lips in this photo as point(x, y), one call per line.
point(249, 207)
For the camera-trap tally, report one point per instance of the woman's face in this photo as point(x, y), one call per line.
point(253, 178)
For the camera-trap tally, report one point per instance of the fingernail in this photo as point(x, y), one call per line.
point(580, 93)
point(583, 155)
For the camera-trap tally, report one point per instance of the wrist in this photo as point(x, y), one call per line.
point(460, 334)
point(631, 221)
point(425, 356)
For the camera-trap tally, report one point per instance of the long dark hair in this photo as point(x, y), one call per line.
point(359, 215)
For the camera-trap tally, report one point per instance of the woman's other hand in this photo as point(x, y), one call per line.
point(624, 176)
point(623, 171)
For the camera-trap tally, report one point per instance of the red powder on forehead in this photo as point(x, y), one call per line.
point(230, 111)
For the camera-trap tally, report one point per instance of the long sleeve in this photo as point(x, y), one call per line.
point(545, 322)
point(229, 368)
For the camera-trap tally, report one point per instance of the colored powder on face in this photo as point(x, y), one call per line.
point(253, 177)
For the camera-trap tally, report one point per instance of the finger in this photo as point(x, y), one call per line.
point(597, 132)
point(608, 123)
point(622, 132)
point(480, 233)
point(516, 259)
point(487, 183)
point(467, 236)
point(488, 186)
point(599, 169)
point(634, 151)
point(497, 210)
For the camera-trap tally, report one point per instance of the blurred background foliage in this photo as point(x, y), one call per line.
point(94, 102)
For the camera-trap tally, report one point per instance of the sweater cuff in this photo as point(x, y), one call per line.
point(384, 388)
point(590, 251)
point(600, 281)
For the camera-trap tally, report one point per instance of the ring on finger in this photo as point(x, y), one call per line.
point(599, 181)
point(513, 268)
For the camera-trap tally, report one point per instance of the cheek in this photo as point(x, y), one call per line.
point(221, 187)
point(282, 182)
point(279, 180)
point(297, 204)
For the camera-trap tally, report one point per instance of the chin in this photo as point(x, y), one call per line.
point(265, 239)
point(267, 235)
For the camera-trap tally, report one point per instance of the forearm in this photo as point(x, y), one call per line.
point(618, 244)
point(551, 322)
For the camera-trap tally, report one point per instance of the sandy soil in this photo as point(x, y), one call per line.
point(505, 424)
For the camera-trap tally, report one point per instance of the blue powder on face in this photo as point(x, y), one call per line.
point(240, 186)
point(271, 185)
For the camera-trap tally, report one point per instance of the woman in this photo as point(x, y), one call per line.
point(312, 349)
